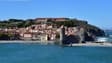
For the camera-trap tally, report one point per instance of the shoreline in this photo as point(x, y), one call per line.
point(101, 44)
point(25, 41)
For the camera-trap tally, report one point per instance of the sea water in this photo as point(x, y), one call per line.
point(36, 53)
point(107, 38)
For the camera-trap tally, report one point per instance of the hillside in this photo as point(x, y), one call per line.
point(12, 23)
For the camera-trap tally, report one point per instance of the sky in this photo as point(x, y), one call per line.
point(96, 12)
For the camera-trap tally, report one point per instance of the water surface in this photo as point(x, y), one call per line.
point(35, 53)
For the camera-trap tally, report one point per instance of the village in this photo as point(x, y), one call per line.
point(45, 31)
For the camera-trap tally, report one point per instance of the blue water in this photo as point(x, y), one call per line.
point(107, 38)
point(108, 32)
point(35, 53)
point(110, 37)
